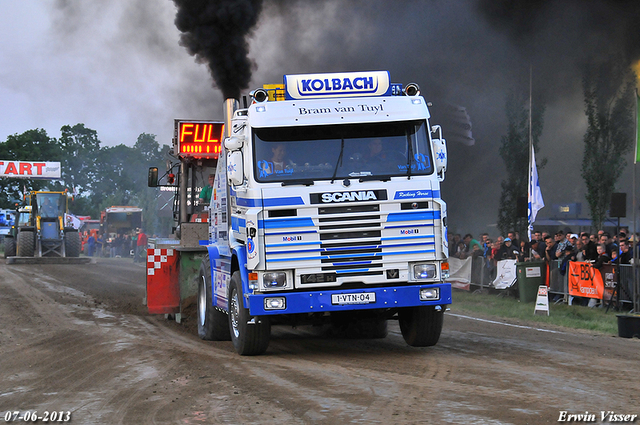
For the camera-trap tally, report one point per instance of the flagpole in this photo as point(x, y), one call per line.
point(636, 289)
point(529, 186)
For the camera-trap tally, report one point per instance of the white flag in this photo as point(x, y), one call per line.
point(534, 194)
point(71, 220)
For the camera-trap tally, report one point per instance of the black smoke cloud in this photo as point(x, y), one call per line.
point(588, 26)
point(214, 31)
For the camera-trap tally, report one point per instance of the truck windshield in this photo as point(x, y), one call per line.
point(376, 150)
point(50, 205)
point(23, 219)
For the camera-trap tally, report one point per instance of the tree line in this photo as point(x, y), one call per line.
point(98, 176)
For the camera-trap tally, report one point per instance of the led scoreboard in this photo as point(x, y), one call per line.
point(198, 139)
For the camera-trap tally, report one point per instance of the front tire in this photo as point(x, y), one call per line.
point(249, 339)
point(26, 243)
point(213, 325)
point(9, 247)
point(421, 326)
point(72, 244)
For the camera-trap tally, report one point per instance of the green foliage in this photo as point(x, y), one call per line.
point(80, 146)
point(609, 104)
point(514, 151)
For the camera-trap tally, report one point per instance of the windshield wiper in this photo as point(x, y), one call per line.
point(339, 162)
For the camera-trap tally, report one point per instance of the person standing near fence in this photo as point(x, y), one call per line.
point(550, 250)
point(473, 246)
point(134, 245)
point(508, 251)
point(589, 250)
point(141, 247)
point(626, 253)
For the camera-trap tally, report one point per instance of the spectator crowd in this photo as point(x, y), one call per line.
point(127, 244)
point(599, 248)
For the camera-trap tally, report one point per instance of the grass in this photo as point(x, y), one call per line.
point(560, 315)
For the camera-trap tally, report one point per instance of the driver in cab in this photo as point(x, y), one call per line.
point(278, 164)
point(376, 155)
point(48, 209)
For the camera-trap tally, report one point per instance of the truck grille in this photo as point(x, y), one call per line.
point(349, 258)
point(350, 241)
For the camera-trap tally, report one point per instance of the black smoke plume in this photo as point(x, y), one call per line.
point(587, 25)
point(214, 31)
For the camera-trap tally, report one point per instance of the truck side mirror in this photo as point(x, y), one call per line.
point(234, 142)
point(153, 177)
point(235, 170)
point(440, 152)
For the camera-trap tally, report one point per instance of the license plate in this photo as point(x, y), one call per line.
point(361, 298)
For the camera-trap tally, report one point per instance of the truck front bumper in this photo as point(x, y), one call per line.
point(348, 299)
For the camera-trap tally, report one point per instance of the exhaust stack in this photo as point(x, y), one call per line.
point(230, 106)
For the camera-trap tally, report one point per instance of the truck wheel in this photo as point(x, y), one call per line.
point(249, 339)
point(72, 244)
point(213, 325)
point(421, 326)
point(9, 247)
point(26, 244)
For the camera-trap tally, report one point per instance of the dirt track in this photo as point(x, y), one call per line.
point(77, 338)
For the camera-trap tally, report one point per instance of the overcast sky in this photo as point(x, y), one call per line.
point(117, 66)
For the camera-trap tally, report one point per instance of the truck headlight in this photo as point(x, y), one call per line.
point(424, 271)
point(275, 303)
point(273, 280)
point(429, 294)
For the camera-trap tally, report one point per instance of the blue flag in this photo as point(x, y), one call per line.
point(536, 203)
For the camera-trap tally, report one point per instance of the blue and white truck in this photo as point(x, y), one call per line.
point(326, 208)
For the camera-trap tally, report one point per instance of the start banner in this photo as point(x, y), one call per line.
point(30, 169)
point(585, 281)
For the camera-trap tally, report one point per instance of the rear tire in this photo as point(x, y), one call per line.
point(213, 325)
point(26, 243)
point(249, 339)
point(9, 247)
point(72, 244)
point(421, 326)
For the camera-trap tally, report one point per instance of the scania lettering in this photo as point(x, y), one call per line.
point(348, 196)
point(326, 209)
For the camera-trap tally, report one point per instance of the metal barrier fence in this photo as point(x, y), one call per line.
point(482, 275)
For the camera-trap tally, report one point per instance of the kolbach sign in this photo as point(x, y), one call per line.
point(30, 169)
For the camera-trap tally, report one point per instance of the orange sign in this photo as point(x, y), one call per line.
point(585, 281)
